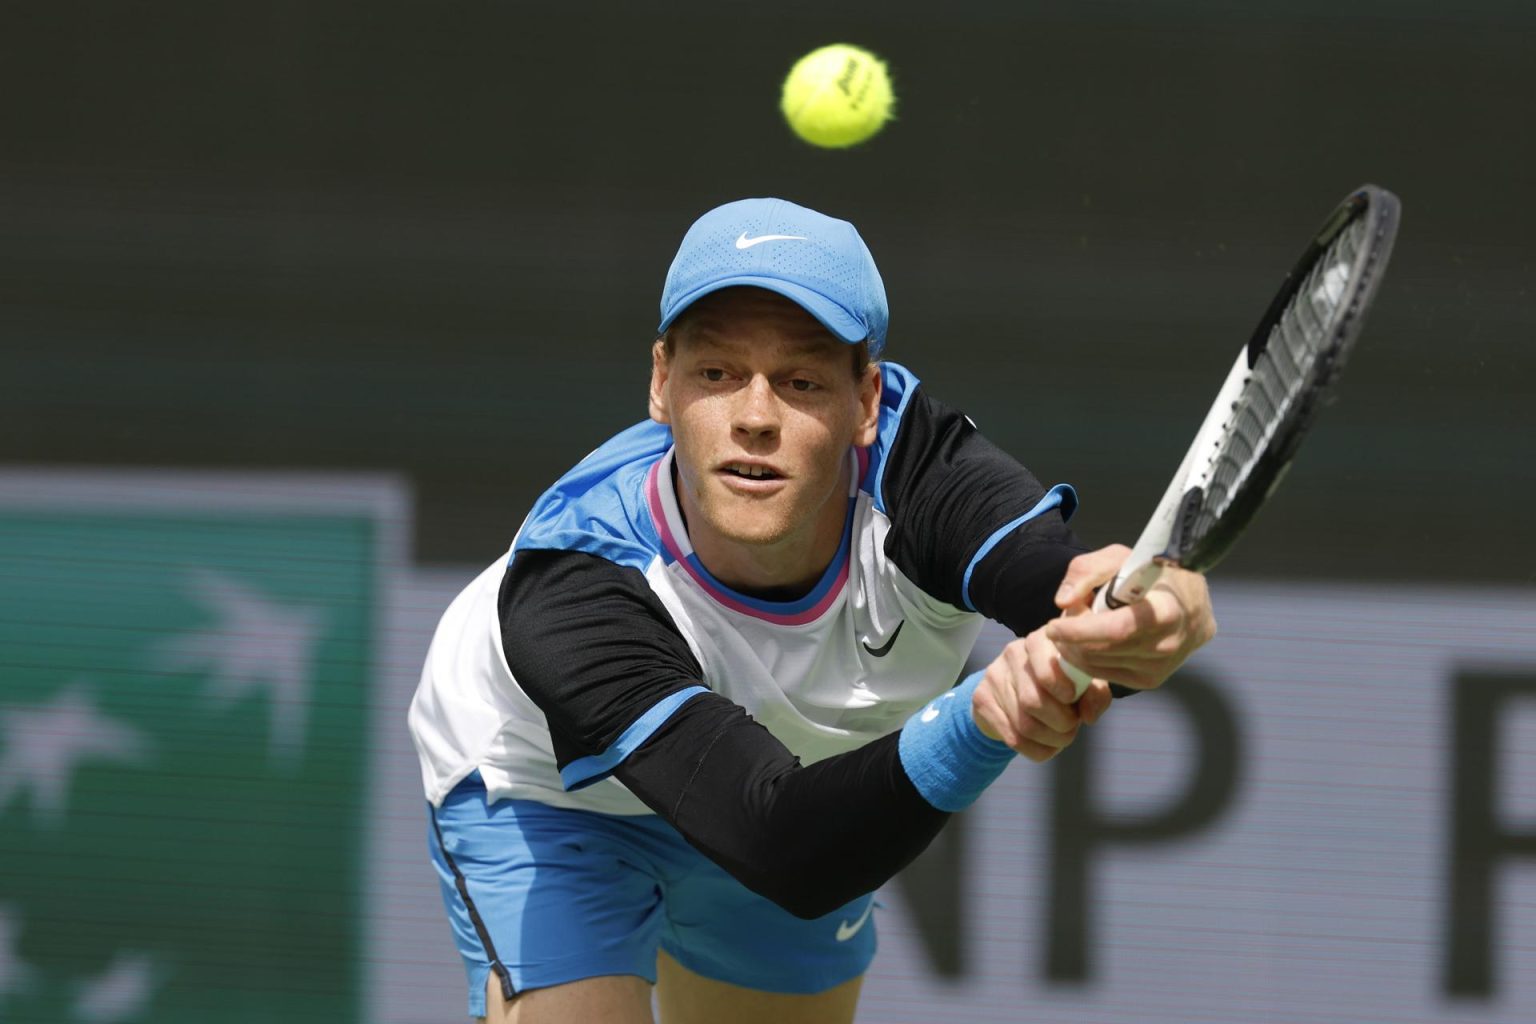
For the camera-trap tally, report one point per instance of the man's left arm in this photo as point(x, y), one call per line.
point(974, 527)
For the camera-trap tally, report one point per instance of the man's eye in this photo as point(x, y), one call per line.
point(714, 375)
point(801, 384)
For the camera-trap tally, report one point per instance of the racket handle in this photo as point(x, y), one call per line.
point(1081, 679)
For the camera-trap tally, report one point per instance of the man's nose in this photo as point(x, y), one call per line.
point(757, 411)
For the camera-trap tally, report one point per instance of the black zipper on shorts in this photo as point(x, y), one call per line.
point(500, 968)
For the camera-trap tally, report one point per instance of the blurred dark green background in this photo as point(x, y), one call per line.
point(430, 238)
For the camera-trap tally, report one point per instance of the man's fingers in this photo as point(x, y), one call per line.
point(1087, 572)
point(1036, 731)
point(1112, 627)
point(1092, 660)
point(1044, 663)
point(1135, 679)
point(1138, 673)
point(1041, 707)
point(1036, 752)
point(988, 711)
point(1094, 702)
point(1027, 701)
point(1046, 708)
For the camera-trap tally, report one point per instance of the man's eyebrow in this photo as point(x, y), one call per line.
point(810, 340)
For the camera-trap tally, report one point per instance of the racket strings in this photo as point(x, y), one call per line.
point(1281, 372)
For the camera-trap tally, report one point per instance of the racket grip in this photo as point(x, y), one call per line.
point(1081, 679)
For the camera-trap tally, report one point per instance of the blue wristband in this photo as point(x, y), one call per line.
point(946, 755)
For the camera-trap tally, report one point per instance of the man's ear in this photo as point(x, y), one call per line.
point(660, 368)
point(870, 387)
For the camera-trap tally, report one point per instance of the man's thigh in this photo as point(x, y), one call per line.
point(612, 999)
point(688, 998)
point(573, 905)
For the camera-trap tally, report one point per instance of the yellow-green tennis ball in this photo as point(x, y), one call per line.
point(837, 96)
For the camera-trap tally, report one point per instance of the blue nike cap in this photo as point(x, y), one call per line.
point(817, 261)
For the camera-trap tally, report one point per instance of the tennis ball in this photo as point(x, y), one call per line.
point(837, 96)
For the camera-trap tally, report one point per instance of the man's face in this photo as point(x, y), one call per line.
point(764, 406)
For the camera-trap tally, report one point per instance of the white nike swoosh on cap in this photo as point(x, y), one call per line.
point(846, 931)
point(746, 243)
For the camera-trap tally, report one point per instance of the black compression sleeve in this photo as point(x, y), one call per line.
point(948, 491)
point(808, 838)
point(591, 644)
point(1016, 582)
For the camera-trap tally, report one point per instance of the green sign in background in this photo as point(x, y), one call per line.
point(183, 725)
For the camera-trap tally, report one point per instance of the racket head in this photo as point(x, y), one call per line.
point(1294, 357)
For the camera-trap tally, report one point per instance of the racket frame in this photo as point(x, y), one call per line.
point(1165, 540)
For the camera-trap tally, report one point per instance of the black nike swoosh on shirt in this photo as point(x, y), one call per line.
point(885, 648)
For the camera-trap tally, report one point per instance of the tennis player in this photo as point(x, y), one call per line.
point(705, 705)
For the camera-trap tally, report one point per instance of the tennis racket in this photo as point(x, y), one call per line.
point(1271, 396)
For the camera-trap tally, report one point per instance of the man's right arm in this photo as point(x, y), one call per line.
point(595, 649)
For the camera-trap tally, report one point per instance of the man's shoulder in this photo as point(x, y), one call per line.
point(599, 506)
point(899, 387)
point(898, 384)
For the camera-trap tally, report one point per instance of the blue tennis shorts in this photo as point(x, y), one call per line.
point(544, 895)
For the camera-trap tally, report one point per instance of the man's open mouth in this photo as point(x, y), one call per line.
point(750, 471)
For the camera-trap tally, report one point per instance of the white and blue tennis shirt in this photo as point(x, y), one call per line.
point(568, 653)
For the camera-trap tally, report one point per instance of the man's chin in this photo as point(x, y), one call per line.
point(742, 523)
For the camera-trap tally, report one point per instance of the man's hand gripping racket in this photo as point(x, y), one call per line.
point(1270, 397)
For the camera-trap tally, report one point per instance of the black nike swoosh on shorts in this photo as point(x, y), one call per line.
point(885, 648)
